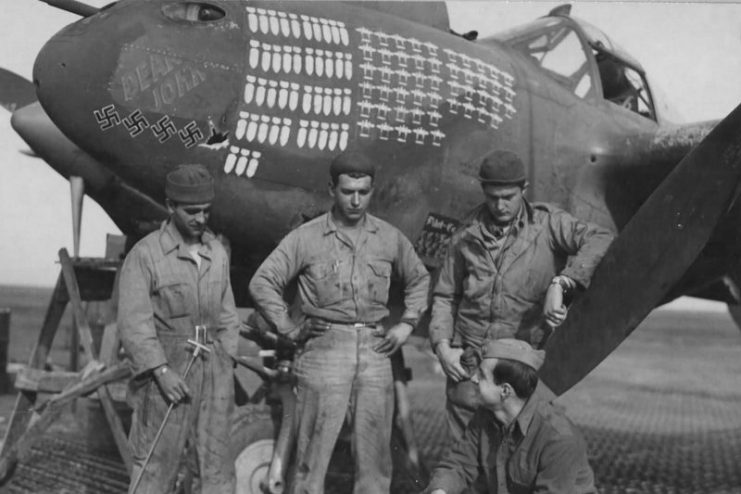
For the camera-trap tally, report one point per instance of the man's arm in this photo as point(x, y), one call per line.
point(459, 466)
point(271, 278)
point(416, 280)
point(585, 242)
point(563, 468)
point(445, 299)
point(135, 319)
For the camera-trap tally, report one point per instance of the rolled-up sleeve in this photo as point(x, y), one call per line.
point(135, 319)
point(416, 279)
point(584, 242)
point(446, 295)
point(270, 280)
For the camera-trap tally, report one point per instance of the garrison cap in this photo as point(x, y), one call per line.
point(502, 168)
point(512, 349)
point(351, 162)
point(190, 184)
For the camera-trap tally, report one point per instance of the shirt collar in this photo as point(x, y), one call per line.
point(480, 216)
point(370, 224)
point(171, 239)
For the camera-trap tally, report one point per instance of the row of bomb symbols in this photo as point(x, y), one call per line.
point(398, 114)
point(263, 128)
point(242, 162)
point(289, 24)
point(266, 129)
point(294, 59)
point(322, 135)
point(400, 133)
point(400, 43)
point(282, 94)
point(404, 60)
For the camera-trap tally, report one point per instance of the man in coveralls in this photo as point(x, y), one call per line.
point(173, 280)
point(521, 442)
point(505, 276)
point(343, 261)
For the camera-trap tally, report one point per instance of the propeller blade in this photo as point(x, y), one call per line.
point(649, 256)
point(77, 193)
point(15, 91)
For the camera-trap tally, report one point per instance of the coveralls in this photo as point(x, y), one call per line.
point(347, 284)
point(540, 451)
point(491, 288)
point(163, 296)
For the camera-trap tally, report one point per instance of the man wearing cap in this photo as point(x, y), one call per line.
point(173, 280)
point(343, 262)
point(522, 443)
point(505, 276)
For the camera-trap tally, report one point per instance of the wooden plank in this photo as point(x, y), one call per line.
point(51, 409)
point(24, 403)
point(42, 381)
point(83, 328)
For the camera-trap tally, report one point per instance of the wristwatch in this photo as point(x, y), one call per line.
point(161, 370)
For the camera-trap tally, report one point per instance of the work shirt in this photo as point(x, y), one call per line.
point(491, 288)
point(541, 451)
point(341, 279)
point(163, 295)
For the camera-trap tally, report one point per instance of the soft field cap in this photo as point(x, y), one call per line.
point(502, 168)
point(190, 184)
point(509, 348)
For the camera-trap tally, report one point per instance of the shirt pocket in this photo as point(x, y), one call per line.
point(325, 280)
point(174, 298)
point(379, 280)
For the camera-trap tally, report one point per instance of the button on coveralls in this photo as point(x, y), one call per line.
point(163, 296)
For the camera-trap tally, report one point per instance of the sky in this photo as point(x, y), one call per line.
point(692, 51)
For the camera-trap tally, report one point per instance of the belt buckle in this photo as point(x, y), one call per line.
point(358, 325)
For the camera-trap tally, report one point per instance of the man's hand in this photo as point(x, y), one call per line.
point(394, 338)
point(450, 360)
point(308, 329)
point(171, 384)
point(553, 309)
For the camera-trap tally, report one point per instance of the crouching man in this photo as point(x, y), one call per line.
point(521, 443)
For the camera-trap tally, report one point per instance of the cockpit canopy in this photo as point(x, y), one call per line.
point(584, 60)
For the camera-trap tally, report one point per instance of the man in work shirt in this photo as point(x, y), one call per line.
point(522, 443)
point(343, 261)
point(505, 276)
point(173, 280)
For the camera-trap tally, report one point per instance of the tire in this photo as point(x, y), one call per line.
point(252, 445)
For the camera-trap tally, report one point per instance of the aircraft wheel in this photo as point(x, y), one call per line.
point(253, 441)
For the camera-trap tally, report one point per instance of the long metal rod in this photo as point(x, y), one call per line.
point(156, 440)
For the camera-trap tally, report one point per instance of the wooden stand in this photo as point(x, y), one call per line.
point(80, 280)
